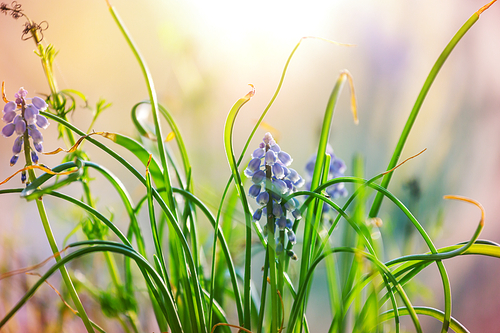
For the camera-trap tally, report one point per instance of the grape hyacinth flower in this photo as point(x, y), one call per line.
point(336, 169)
point(24, 120)
point(273, 180)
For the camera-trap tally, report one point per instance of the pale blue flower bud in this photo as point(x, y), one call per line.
point(14, 159)
point(36, 135)
point(21, 94)
point(18, 145)
point(9, 116)
point(288, 224)
point(259, 152)
point(278, 171)
point(275, 148)
point(20, 125)
point(336, 169)
point(34, 157)
point(30, 114)
point(38, 147)
point(285, 158)
point(257, 214)
point(280, 186)
point(39, 103)
point(9, 107)
point(41, 121)
point(293, 176)
point(289, 184)
point(252, 167)
point(297, 214)
point(277, 210)
point(8, 130)
point(268, 138)
point(263, 198)
point(300, 182)
point(254, 190)
point(285, 170)
point(281, 222)
point(270, 157)
point(276, 197)
point(337, 166)
point(291, 237)
point(258, 177)
point(290, 205)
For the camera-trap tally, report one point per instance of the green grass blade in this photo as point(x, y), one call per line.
point(225, 248)
point(309, 228)
point(418, 104)
point(153, 101)
point(101, 247)
point(188, 259)
point(301, 292)
point(228, 144)
point(455, 325)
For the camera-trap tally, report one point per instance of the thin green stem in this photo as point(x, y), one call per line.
point(271, 246)
point(416, 107)
point(62, 269)
point(50, 235)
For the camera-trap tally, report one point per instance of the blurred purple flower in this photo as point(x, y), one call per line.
point(336, 169)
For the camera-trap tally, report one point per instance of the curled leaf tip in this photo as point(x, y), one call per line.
point(472, 201)
point(251, 93)
point(230, 325)
point(4, 97)
point(41, 167)
point(482, 9)
point(107, 135)
point(400, 164)
point(354, 106)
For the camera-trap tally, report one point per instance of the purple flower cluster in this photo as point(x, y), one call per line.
point(27, 120)
point(272, 180)
point(337, 169)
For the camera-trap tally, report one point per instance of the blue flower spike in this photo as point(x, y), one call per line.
point(281, 181)
point(24, 118)
point(336, 169)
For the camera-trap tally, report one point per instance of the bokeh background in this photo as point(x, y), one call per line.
point(202, 55)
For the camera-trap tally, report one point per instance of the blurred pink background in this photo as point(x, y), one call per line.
point(203, 54)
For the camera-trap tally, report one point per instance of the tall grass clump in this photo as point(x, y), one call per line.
point(162, 259)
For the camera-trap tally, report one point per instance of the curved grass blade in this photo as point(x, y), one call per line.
point(310, 235)
point(455, 325)
point(417, 225)
point(186, 253)
point(175, 131)
point(224, 247)
point(228, 145)
point(420, 100)
point(154, 104)
point(102, 246)
point(301, 292)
